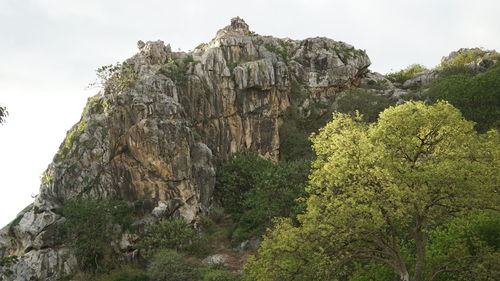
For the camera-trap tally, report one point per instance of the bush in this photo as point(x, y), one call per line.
point(367, 102)
point(115, 77)
point(405, 74)
point(254, 191)
point(216, 214)
point(236, 177)
point(466, 56)
point(172, 233)
point(298, 126)
point(89, 228)
point(169, 265)
point(219, 275)
point(456, 70)
point(7, 262)
point(207, 224)
point(477, 97)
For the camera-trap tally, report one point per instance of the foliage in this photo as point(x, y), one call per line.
point(168, 265)
point(377, 85)
point(207, 225)
point(129, 272)
point(282, 50)
point(346, 52)
point(3, 114)
point(366, 102)
point(298, 126)
point(7, 262)
point(405, 74)
point(201, 46)
point(465, 56)
point(456, 70)
point(174, 233)
point(466, 248)
point(236, 177)
point(46, 179)
point(219, 275)
point(177, 71)
point(254, 190)
point(216, 214)
point(115, 77)
point(378, 191)
point(96, 105)
point(89, 228)
point(477, 97)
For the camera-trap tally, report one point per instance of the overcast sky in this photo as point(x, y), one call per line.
point(49, 50)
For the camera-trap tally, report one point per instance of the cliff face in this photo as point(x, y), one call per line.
point(162, 121)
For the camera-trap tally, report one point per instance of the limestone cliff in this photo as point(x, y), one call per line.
point(162, 121)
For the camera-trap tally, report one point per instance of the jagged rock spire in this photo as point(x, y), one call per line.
point(238, 24)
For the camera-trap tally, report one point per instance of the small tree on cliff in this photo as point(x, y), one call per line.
point(377, 191)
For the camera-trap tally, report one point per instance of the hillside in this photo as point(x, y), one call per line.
point(193, 143)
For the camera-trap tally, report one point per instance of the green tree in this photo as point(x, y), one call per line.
point(369, 103)
point(378, 190)
point(254, 190)
point(89, 228)
point(477, 97)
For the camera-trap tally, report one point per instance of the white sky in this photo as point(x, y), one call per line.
point(49, 50)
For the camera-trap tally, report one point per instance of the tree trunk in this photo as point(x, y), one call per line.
point(405, 276)
point(420, 241)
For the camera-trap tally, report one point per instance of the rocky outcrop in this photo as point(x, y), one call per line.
point(464, 60)
point(162, 121)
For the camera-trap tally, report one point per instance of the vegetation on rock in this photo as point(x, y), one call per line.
point(366, 102)
point(477, 96)
point(466, 56)
point(405, 74)
point(115, 77)
point(5, 263)
point(89, 228)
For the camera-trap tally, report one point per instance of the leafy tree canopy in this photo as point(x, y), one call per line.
point(380, 194)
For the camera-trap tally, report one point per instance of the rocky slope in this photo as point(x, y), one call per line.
point(164, 119)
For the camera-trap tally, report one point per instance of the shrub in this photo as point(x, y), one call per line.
point(115, 77)
point(405, 74)
point(216, 214)
point(7, 262)
point(477, 97)
point(172, 233)
point(298, 126)
point(236, 177)
point(169, 265)
point(367, 102)
point(176, 71)
point(255, 190)
point(466, 56)
point(89, 228)
point(207, 224)
point(456, 70)
point(130, 277)
point(219, 275)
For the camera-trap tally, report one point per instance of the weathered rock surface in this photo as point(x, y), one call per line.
point(164, 119)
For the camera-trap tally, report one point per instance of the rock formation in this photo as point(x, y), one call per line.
point(164, 119)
